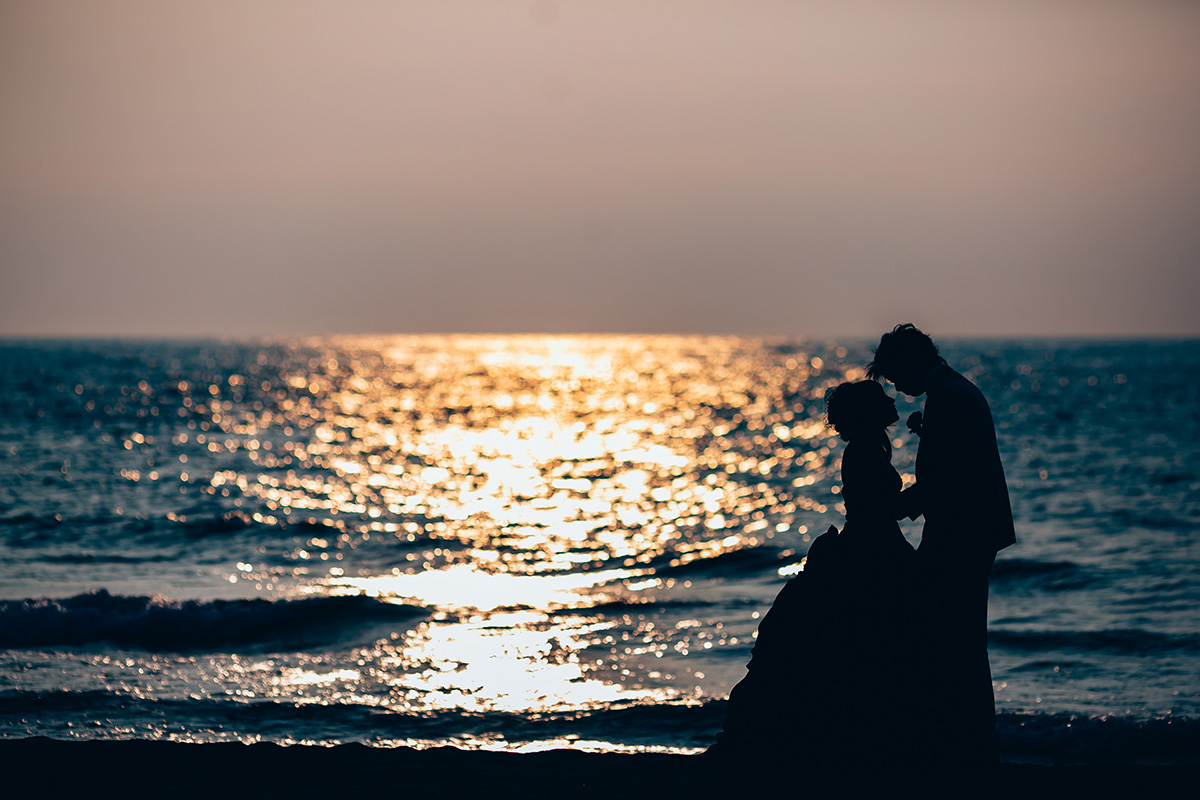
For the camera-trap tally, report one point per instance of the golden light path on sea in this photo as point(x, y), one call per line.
point(513, 484)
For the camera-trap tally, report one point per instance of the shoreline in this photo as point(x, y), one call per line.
point(133, 768)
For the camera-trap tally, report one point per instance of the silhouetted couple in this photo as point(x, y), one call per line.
point(872, 662)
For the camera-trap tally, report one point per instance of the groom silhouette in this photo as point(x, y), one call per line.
point(961, 492)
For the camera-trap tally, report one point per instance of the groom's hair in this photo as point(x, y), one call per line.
point(907, 346)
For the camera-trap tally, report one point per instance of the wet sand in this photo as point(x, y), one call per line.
point(49, 768)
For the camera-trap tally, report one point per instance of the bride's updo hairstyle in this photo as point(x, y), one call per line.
point(854, 407)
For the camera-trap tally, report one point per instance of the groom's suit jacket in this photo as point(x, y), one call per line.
point(960, 484)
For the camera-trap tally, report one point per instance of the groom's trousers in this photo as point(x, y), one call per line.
point(960, 711)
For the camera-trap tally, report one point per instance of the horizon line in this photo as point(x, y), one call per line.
point(249, 337)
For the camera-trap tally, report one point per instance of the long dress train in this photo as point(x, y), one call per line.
point(830, 684)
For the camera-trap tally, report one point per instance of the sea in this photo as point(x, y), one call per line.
point(532, 542)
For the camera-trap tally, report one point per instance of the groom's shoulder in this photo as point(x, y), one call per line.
point(955, 389)
point(947, 380)
point(962, 383)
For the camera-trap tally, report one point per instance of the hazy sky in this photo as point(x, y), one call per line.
point(1012, 167)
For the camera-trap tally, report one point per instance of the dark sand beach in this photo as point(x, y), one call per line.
point(52, 768)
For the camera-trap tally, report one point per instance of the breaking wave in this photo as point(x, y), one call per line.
point(156, 624)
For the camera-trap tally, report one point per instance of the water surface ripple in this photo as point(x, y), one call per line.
point(515, 541)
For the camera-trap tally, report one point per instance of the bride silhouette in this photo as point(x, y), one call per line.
point(832, 681)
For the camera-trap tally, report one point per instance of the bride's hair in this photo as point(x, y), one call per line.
point(852, 407)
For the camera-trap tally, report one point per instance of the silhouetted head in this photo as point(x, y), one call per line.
point(905, 357)
point(860, 410)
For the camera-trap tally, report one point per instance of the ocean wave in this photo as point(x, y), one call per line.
point(1015, 568)
point(1053, 576)
point(157, 624)
point(671, 724)
point(104, 558)
point(1130, 640)
point(27, 518)
point(1053, 738)
point(1110, 739)
point(642, 606)
point(734, 563)
point(220, 524)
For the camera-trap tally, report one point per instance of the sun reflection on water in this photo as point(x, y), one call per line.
point(466, 588)
point(391, 540)
point(531, 492)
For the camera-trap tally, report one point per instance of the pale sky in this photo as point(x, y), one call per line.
point(277, 167)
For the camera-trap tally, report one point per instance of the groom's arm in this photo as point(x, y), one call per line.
point(910, 503)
